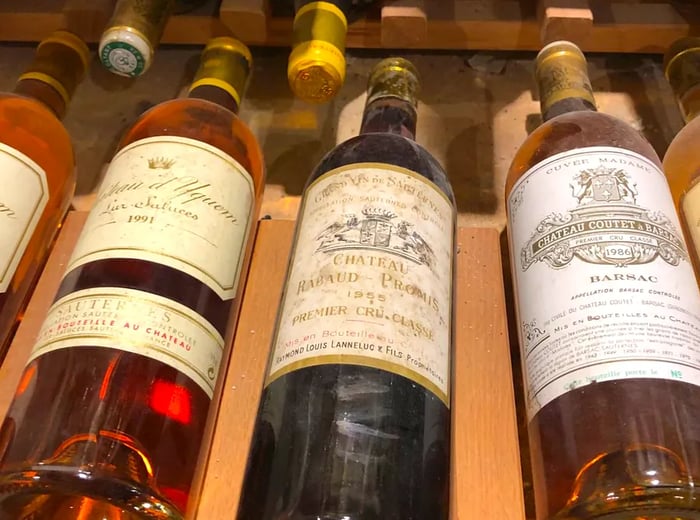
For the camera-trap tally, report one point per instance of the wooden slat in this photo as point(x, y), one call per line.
point(21, 20)
point(87, 17)
point(486, 469)
point(247, 19)
point(244, 378)
point(486, 478)
point(404, 24)
point(564, 20)
point(486, 473)
point(619, 26)
point(642, 27)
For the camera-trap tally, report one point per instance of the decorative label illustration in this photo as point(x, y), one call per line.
point(23, 197)
point(605, 289)
point(370, 281)
point(177, 202)
point(138, 322)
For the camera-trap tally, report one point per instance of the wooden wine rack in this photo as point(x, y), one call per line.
point(486, 470)
point(635, 26)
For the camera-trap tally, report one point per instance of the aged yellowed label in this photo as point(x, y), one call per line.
point(370, 280)
point(605, 290)
point(23, 197)
point(138, 322)
point(174, 201)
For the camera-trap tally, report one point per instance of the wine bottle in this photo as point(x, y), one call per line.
point(132, 34)
point(37, 169)
point(316, 67)
point(109, 415)
point(354, 420)
point(682, 161)
point(607, 311)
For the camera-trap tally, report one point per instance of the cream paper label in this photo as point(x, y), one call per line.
point(138, 322)
point(23, 197)
point(370, 279)
point(604, 287)
point(174, 201)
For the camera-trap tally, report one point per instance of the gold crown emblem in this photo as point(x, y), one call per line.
point(162, 163)
point(378, 213)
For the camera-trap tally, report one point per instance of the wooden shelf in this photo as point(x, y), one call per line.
point(486, 470)
point(631, 26)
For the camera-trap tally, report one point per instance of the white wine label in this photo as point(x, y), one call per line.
point(23, 197)
point(604, 287)
point(138, 322)
point(370, 278)
point(174, 201)
point(690, 206)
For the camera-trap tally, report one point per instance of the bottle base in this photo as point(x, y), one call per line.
point(641, 482)
point(641, 511)
point(39, 493)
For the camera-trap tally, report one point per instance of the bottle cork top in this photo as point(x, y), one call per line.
point(316, 67)
point(125, 51)
point(682, 64)
point(128, 43)
point(561, 72)
point(394, 77)
point(61, 61)
point(226, 63)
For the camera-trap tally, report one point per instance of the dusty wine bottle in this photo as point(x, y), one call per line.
point(607, 311)
point(109, 416)
point(132, 34)
point(354, 420)
point(37, 169)
point(682, 158)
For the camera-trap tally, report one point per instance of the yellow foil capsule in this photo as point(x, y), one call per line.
point(316, 67)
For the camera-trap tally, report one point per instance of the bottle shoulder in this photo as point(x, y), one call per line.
point(30, 114)
point(682, 160)
point(385, 148)
point(29, 127)
point(187, 115)
point(683, 145)
point(572, 131)
point(204, 121)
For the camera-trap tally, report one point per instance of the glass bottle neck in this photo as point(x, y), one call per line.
point(566, 105)
point(215, 95)
point(43, 93)
point(690, 103)
point(389, 115)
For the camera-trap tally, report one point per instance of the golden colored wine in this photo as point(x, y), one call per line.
point(109, 418)
point(608, 312)
point(37, 169)
point(682, 160)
